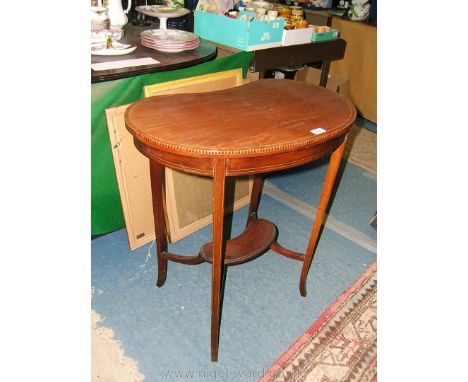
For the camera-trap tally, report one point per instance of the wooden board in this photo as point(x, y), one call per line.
point(359, 64)
point(132, 170)
point(188, 197)
point(199, 84)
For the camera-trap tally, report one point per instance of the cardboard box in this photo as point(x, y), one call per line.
point(239, 34)
point(335, 82)
point(297, 36)
point(325, 36)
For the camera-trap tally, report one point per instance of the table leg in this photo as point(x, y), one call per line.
point(219, 185)
point(255, 198)
point(324, 198)
point(157, 188)
point(324, 73)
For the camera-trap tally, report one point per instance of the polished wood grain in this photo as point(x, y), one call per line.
point(278, 248)
point(262, 118)
point(253, 242)
point(318, 221)
point(240, 166)
point(157, 188)
point(253, 129)
point(255, 198)
point(218, 245)
point(188, 260)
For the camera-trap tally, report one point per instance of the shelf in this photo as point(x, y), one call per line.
point(253, 242)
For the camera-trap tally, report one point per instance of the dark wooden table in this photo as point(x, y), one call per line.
point(267, 125)
point(298, 55)
point(168, 61)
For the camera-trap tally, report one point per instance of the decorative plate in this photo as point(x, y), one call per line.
point(169, 35)
point(162, 11)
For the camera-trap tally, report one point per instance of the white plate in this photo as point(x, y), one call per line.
point(100, 50)
point(169, 35)
point(169, 43)
point(162, 11)
point(170, 50)
point(170, 46)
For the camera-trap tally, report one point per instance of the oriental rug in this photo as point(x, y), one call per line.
point(341, 345)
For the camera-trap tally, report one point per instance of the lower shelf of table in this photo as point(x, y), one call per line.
point(254, 241)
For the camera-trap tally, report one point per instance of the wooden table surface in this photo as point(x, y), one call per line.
point(258, 119)
point(167, 61)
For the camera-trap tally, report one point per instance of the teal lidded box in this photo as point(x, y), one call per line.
point(325, 36)
point(239, 34)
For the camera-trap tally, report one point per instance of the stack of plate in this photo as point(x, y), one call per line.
point(169, 40)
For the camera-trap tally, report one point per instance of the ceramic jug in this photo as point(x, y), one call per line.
point(117, 15)
point(99, 17)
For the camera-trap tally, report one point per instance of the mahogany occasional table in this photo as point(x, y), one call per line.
point(264, 126)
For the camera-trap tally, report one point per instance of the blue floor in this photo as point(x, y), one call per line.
point(369, 125)
point(167, 330)
point(354, 201)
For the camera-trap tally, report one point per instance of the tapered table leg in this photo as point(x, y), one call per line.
point(255, 197)
point(324, 198)
point(219, 185)
point(157, 188)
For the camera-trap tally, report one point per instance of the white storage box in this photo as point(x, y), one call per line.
point(297, 36)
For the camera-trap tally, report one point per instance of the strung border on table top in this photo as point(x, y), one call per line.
point(259, 150)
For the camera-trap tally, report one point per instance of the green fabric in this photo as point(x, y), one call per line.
point(106, 208)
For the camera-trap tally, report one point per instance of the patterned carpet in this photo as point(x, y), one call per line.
point(341, 345)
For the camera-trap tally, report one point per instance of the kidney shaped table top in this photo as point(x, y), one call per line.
point(257, 128)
